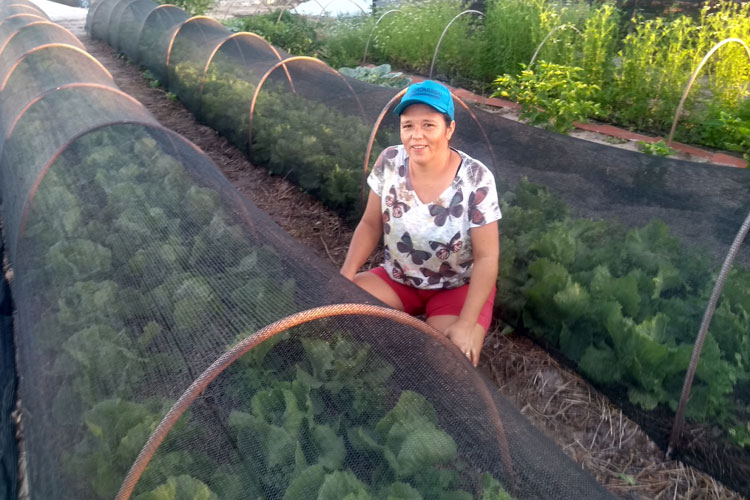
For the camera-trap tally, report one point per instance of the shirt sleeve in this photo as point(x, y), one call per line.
point(484, 206)
point(376, 179)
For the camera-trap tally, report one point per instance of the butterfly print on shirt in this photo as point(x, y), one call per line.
point(386, 220)
point(445, 272)
point(475, 215)
point(476, 174)
point(402, 170)
point(398, 207)
point(406, 246)
point(455, 209)
point(398, 273)
point(444, 250)
point(391, 152)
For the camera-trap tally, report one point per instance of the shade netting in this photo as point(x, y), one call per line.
point(137, 265)
point(8, 383)
point(608, 256)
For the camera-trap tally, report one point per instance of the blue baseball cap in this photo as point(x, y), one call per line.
point(427, 92)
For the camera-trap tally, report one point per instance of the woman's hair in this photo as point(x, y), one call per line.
point(447, 119)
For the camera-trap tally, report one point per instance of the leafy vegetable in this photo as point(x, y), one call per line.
point(625, 304)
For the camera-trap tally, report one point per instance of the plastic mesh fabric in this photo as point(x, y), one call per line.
point(36, 140)
point(156, 36)
point(609, 255)
point(191, 49)
point(131, 25)
point(8, 383)
point(230, 81)
point(97, 20)
point(44, 71)
point(8, 10)
point(42, 32)
point(345, 393)
point(10, 25)
point(115, 19)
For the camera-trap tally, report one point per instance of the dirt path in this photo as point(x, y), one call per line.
point(591, 430)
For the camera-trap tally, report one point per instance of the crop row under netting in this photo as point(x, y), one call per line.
point(173, 342)
point(608, 256)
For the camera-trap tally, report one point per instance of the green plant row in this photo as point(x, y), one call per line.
point(319, 148)
point(141, 277)
point(630, 72)
point(625, 305)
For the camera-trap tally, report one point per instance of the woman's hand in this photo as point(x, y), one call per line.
point(468, 337)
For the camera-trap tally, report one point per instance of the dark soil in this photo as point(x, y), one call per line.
point(584, 423)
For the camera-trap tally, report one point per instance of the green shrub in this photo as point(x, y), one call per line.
point(408, 39)
point(658, 148)
point(550, 94)
point(192, 7)
point(293, 32)
point(343, 42)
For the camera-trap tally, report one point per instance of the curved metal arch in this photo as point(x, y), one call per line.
point(371, 142)
point(561, 27)
point(16, 3)
point(378, 122)
point(177, 31)
point(372, 31)
point(702, 332)
point(283, 9)
point(48, 46)
point(45, 94)
point(145, 21)
point(16, 16)
point(142, 24)
point(91, 15)
point(40, 177)
point(242, 348)
point(37, 23)
point(695, 75)
point(231, 37)
point(271, 70)
point(33, 8)
point(124, 4)
point(445, 30)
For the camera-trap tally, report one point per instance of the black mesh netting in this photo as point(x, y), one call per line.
point(8, 446)
point(136, 265)
point(608, 256)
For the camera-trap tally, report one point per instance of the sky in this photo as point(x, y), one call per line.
point(333, 7)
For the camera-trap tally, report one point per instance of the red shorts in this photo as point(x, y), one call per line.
point(436, 302)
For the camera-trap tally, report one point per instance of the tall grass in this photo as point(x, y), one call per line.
point(729, 72)
point(657, 59)
point(344, 41)
point(408, 38)
point(599, 45)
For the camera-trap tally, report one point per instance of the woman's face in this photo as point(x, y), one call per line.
point(424, 133)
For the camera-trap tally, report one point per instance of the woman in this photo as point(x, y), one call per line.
point(437, 211)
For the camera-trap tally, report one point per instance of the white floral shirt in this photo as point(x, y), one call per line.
point(428, 245)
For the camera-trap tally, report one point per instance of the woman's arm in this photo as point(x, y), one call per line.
point(465, 332)
point(366, 237)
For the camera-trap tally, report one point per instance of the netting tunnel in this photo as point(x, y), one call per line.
point(608, 256)
point(137, 267)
